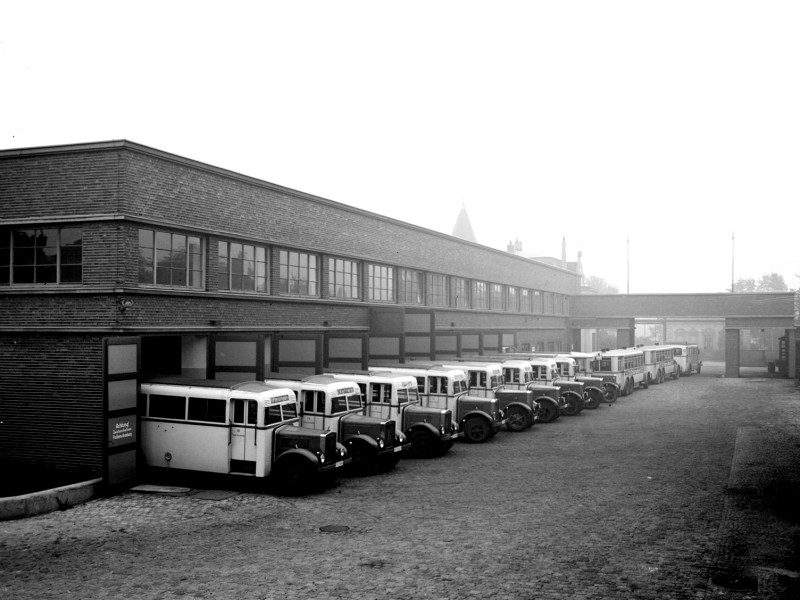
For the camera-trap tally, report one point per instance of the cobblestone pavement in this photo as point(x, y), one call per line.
point(688, 489)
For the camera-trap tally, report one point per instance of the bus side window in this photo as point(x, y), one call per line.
point(421, 385)
point(433, 385)
point(310, 402)
point(252, 412)
point(238, 411)
point(376, 394)
point(387, 393)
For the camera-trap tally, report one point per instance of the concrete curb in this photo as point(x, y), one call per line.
point(60, 498)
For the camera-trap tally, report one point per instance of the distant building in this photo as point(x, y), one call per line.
point(576, 266)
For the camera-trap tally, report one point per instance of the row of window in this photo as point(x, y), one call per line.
point(41, 255)
point(54, 255)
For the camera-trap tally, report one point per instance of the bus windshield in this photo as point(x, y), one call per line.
point(272, 413)
point(406, 395)
point(344, 403)
point(459, 386)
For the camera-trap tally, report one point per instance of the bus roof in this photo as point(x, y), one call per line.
point(621, 352)
point(221, 386)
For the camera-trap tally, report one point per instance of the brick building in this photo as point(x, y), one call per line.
point(119, 261)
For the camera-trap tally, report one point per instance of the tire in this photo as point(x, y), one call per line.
point(548, 412)
point(611, 393)
point(517, 419)
point(295, 476)
point(423, 444)
point(477, 430)
point(573, 406)
point(593, 398)
point(365, 459)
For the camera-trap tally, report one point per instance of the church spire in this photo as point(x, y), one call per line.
point(463, 228)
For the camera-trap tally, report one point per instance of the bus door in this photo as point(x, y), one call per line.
point(380, 401)
point(243, 435)
point(312, 404)
point(437, 391)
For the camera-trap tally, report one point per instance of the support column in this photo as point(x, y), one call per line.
point(731, 353)
point(626, 336)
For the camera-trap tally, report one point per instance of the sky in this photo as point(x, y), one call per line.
point(661, 140)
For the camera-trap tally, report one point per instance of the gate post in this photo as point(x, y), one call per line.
point(731, 352)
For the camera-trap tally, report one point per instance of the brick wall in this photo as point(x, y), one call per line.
point(51, 402)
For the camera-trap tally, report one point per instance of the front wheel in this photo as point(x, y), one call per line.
point(476, 430)
point(611, 393)
point(548, 412)
point(517, 419)
point(423, 444)
point(295, 476)
point(573, 406)
point(593, 398)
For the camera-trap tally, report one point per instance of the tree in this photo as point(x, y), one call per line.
point(744, 285)
point(772, 283)
point(598, 285)
point(767, 283)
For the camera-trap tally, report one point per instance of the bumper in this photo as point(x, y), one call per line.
point(332, 467)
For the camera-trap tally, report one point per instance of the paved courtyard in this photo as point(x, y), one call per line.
point(689, 489)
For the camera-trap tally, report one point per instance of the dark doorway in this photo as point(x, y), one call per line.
point(161, 355)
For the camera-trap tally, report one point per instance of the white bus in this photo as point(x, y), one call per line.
point(586, 363)
point(245, 429)
point(659, 363)
point(487, 379)
point(625, 365)
point(688, 358)
point(328, 403)
point(444, 388)
point(430, 431)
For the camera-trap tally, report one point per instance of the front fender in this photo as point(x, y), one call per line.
point(360, 438)
point(299, 454)
point(428, 427)
point(478, 413)
point(526, 407)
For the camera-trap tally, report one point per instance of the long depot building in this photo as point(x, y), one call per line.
point(119, 261)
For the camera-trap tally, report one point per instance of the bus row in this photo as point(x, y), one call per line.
point(302, 431)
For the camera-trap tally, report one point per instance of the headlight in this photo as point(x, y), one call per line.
point(401, 438)
point(442, 430)
point(380, 443)
point(322, 459)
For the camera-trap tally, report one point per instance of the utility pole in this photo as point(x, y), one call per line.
point(628, 275)
point(732, 258)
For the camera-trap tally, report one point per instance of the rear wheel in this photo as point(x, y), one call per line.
point(517, 419)
point(476, 430)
